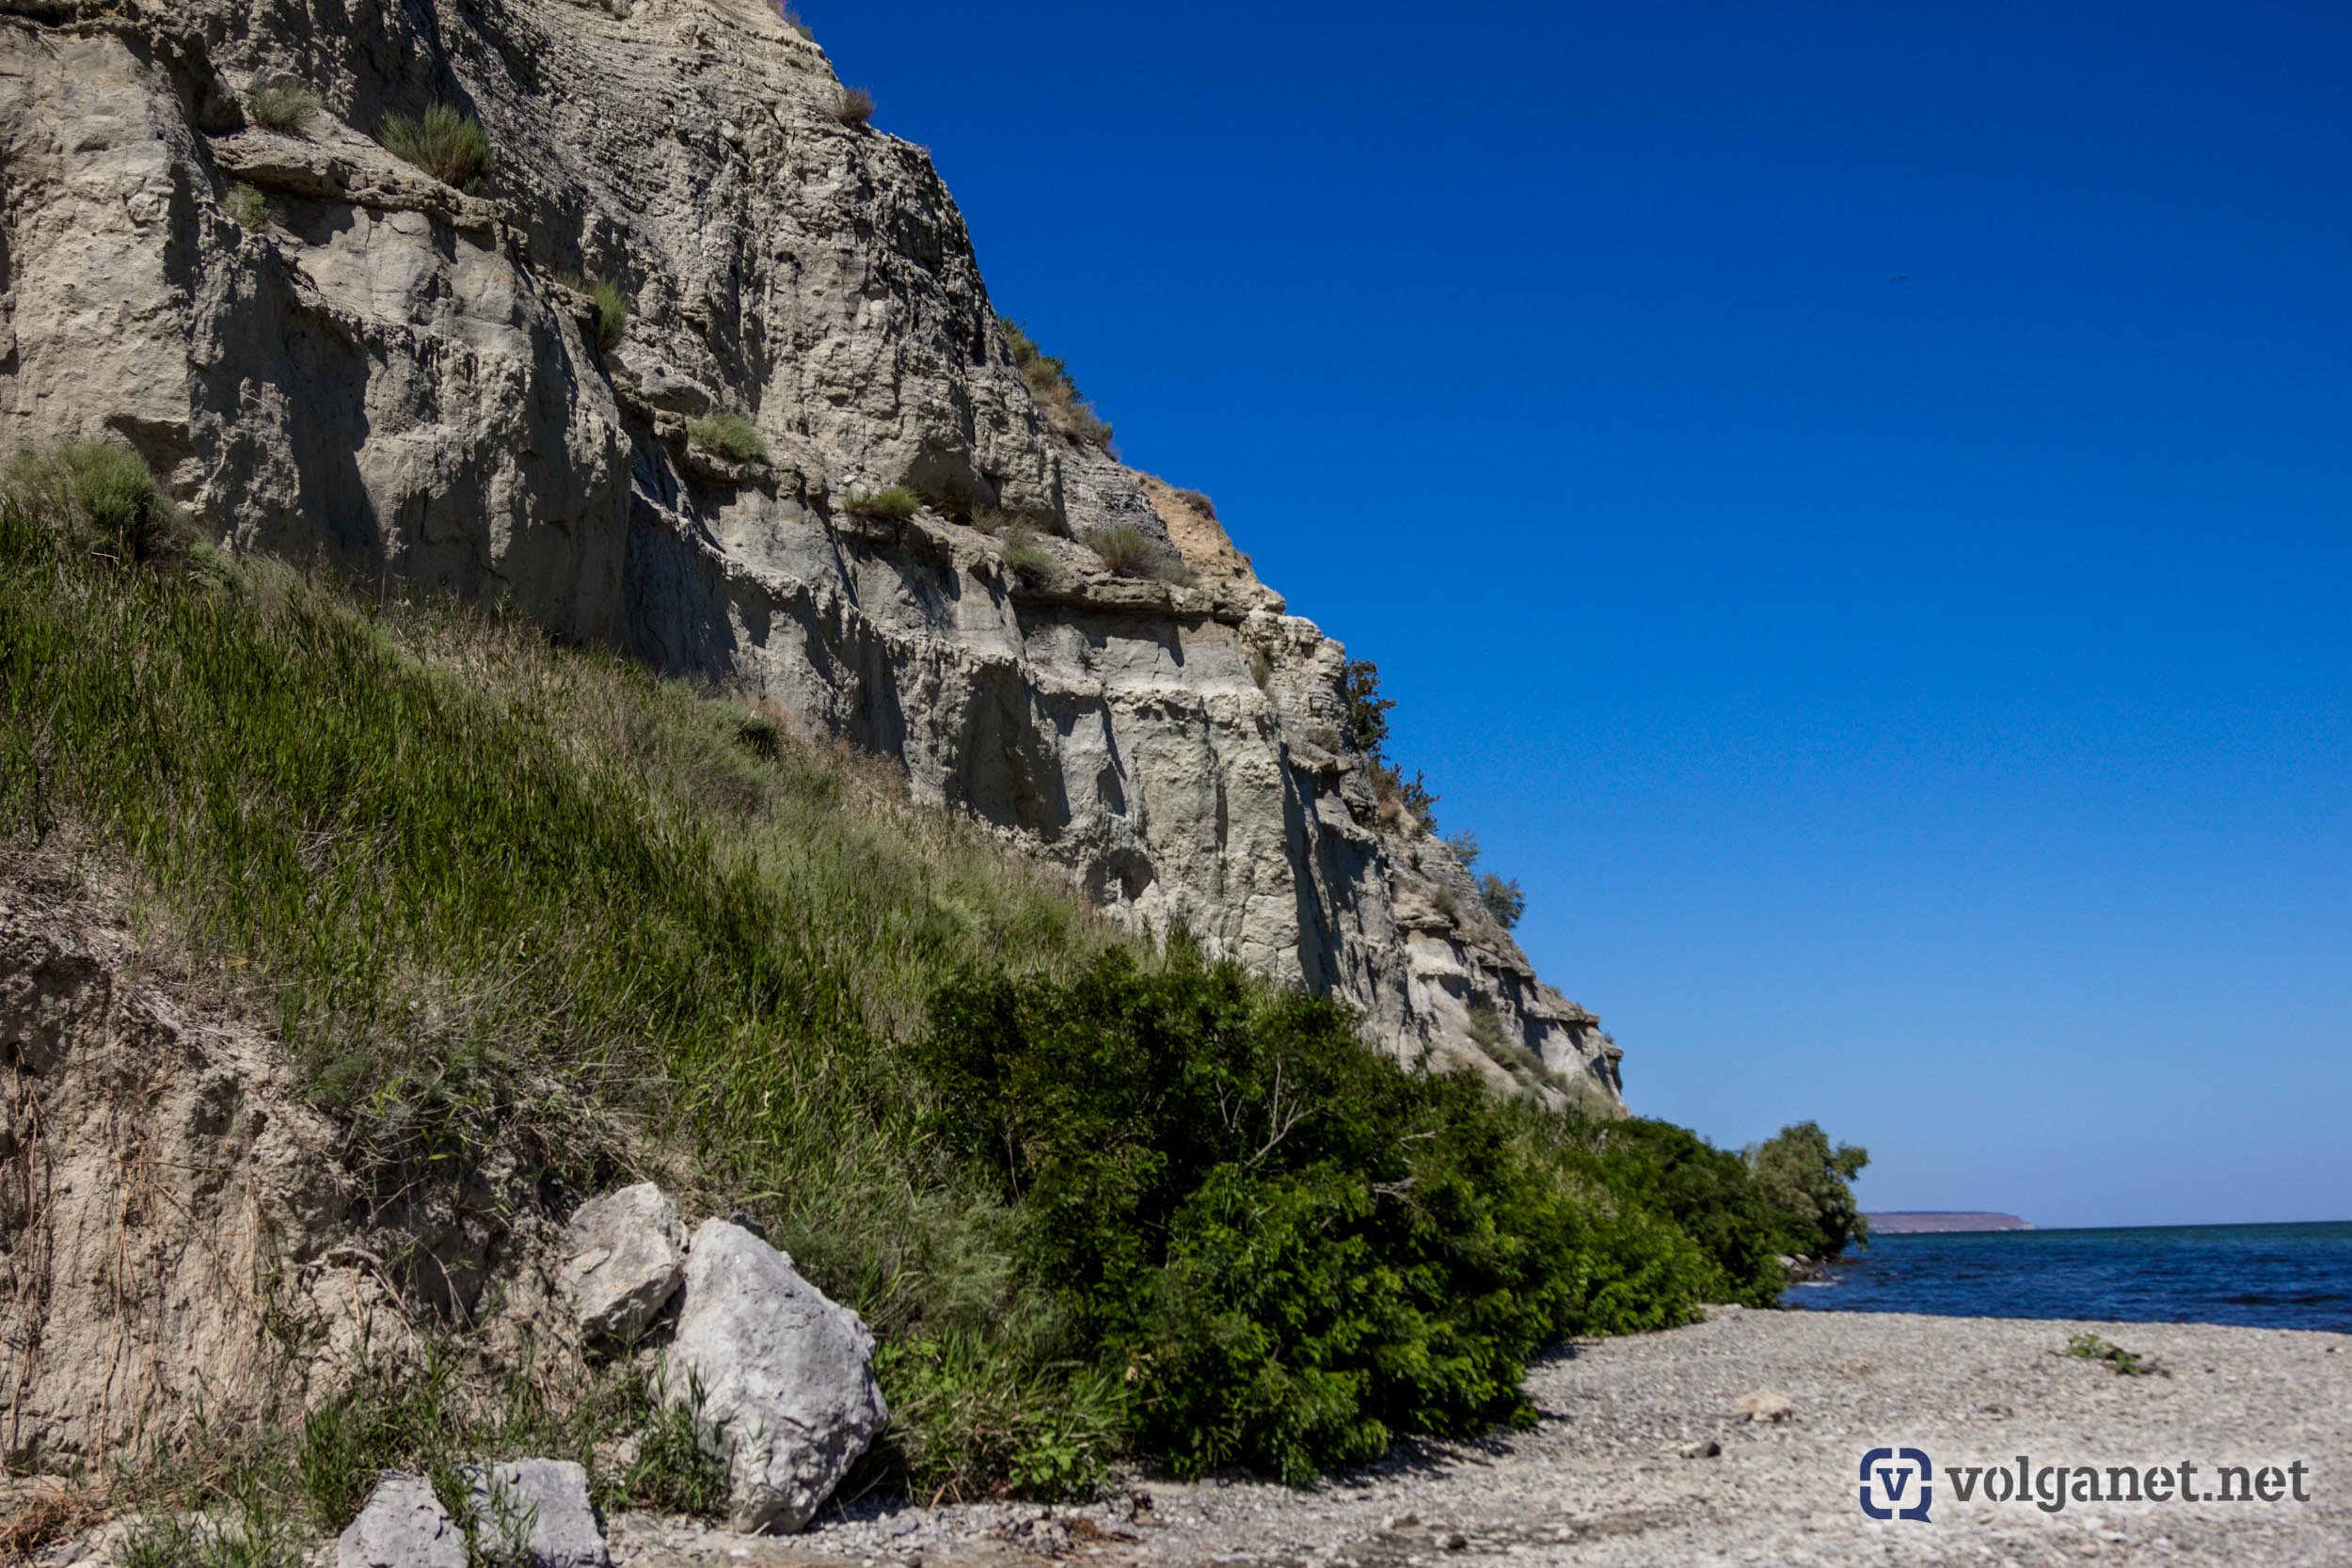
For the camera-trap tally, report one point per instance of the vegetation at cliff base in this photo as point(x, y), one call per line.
point(498, 897)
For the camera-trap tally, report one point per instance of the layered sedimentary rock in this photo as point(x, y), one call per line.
point(388, 376)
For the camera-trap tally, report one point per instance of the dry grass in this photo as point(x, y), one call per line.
point(47, 1512)
point(854, 106)
point(1065, 408)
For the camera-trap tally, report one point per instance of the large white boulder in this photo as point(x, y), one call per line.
point(785, 1375)
point(625, 1254)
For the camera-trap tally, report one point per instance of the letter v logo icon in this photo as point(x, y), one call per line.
point(1896, 1484)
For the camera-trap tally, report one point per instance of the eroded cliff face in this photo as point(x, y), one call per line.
point(389, 377)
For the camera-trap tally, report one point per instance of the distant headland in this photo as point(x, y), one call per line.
point(1908, 1222)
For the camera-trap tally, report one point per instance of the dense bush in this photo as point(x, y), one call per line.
point(445, 142)
point(1706, 1192)
point(1290, 1249)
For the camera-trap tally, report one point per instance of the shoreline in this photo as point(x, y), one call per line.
point(1734, 1441)
point(1619, 1472)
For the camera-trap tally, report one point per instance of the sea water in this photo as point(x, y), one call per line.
point(2266, 1275)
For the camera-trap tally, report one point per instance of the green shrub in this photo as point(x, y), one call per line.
point(792, 19)
point(1809, 1188)
point(283, 108)
point(895, 504)
point(1502, 899)
point(1707, 1192)
point(98, 496)
point(611, 302)
point(445, 142)
point(852, 106)
point(730, 435)
point(247, 206)
point(1065, 408)
point(1260, 668)
point(1466, 848)
point(1288, 1250)
point(1131, 552)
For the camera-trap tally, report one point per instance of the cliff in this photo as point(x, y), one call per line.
point(332, 356)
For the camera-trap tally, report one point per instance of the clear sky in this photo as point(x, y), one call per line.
point(1924, 706)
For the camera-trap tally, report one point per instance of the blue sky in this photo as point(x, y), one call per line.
point(1924, 706)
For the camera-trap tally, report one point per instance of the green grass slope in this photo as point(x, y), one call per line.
point(1096, 1201)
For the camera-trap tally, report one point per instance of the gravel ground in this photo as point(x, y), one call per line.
point(1620, 1470)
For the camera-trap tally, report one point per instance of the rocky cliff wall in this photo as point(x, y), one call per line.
point(388, 376)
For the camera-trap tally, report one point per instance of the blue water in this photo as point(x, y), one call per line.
point(2267, 1275)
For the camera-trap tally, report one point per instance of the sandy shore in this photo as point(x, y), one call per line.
point(1619, 1471)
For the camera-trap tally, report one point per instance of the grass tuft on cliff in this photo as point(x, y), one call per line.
point(501, 898)
point(1065, 408)
point(445, 142)
point(1133, 553)
point(730, 435)
point(894, 504)
point(283, 107)
point(854, 106)
point(612, 303)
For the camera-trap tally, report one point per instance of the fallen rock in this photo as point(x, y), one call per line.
point(404, 1526)
point(786, 1378)
point(545, 1503)
point(625, 1255)
point(1704, 1448)
point(1766, 1404)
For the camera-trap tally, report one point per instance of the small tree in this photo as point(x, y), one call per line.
point(1366, 710)
point(1502, 899)
point(1808, 1186)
